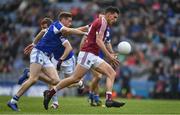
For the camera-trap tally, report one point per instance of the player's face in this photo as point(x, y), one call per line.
point(112, 18)
point(67, 22)
point(44, 26)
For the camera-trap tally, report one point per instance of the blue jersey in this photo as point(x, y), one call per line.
point(58, 52)
point(107, 40)
point(51, 39)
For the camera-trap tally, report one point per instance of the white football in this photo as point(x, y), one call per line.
point(124, 47)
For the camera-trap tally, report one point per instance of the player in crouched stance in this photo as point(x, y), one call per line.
point(88, 58)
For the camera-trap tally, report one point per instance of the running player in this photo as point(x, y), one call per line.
point(88, 58)
point(39, 57)
point(44, 24)
point(63, 52)
point(93, 96)
point(94, 87)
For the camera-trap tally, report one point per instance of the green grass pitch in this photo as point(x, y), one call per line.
point(79, 105)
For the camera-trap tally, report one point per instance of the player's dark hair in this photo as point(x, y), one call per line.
point(47, 21)
point(112, 9)
point(64, 15)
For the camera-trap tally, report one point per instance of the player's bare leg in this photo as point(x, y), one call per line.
point(34, 75)
point(52, 73)
point(55, 103)
point(35, 72)
point(77, 76)
point(108, 71)
point(96, 78)
point(42, 76)
point(94, 87)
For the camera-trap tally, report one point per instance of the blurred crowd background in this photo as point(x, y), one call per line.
point(152, 70)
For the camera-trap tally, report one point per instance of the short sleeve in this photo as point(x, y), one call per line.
point(57, 27)
point(63, 40)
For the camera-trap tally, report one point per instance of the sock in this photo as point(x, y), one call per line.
point(80, 83)
point(91, 95)
point(14, 99)
point(96, 98)
point(52, 92)
point(55, 99)
point(28, 74)
point(108, 95)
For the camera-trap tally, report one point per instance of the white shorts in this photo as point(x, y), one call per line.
point(37, 56)
point(88, 60)
point(67, 66)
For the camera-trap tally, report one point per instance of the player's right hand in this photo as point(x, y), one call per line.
point(28, 49)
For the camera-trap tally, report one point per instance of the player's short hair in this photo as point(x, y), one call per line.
point(47, 21)
point(64, 15)
point(112, 9)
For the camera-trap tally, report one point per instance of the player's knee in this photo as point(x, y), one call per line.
point(76, 79)
point(111, 74)
point(55, 81)
point(33, 80)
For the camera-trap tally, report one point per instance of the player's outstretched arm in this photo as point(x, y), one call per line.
point(83, 28)
point(66, 30)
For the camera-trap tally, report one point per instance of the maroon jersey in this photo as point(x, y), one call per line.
point(99, 25)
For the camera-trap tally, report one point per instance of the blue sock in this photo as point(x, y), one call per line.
point(91, 95)
point(15, 97)
point(96, 98)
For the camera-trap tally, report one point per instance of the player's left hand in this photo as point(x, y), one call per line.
point(115, 55)
point(58, 67)
point(28, 49)
point(115, 63)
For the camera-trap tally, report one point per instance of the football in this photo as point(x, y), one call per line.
point(124, 47)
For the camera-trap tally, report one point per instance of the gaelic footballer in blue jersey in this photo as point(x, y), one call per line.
point(39, 57)
point(64, 50)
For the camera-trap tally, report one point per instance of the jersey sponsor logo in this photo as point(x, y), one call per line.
point(88, 62)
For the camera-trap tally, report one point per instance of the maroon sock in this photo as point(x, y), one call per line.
point(108, 96)
point(52, 92)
